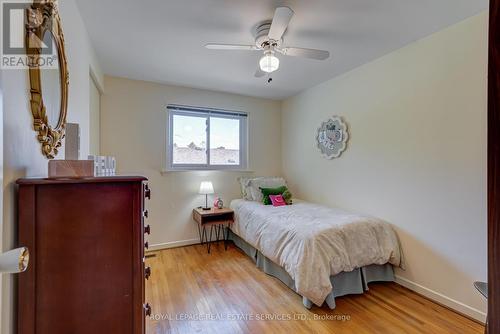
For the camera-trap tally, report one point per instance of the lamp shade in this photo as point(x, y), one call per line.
point(206, 187)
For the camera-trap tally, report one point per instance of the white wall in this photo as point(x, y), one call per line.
point(416, 158)
point(95, 119)
point(22, 153)
point(133, 129)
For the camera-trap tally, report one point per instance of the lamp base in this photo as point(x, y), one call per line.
point(206, 207)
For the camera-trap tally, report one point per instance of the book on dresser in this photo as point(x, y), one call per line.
point(86, 239)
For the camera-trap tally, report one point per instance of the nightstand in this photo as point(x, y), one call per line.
point(218, 219)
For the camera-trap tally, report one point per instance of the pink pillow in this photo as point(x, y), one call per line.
point(277, 200)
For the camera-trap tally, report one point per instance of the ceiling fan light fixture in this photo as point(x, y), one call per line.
point(269, 62)
point(269, 38)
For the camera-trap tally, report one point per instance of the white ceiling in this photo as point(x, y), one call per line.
point(162, 40)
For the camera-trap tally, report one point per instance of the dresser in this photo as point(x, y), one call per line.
point(86, 239)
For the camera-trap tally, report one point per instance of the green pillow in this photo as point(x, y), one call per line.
point(287, 196)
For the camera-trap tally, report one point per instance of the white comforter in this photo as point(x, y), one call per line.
point(313, 242)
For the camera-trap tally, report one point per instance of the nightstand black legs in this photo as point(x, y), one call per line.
point(206, 237)
point(209, 243)
point(219, 219)
point(199, 233)
point(226, 238)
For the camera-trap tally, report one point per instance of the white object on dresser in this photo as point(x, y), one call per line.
point(103, 165)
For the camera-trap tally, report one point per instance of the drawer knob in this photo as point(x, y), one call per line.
point(147, 229)
point(147, 272)
point(147, 308)
point(146, 245)
point(146, 213)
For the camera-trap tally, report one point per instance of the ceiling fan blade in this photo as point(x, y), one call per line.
point(213, 46)
point(305, 53)
point(259, 73)
point(282, 16)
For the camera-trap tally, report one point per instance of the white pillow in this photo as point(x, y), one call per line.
point(245, 188)
point(254, 186)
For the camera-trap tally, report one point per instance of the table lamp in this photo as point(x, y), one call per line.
point(206, 188)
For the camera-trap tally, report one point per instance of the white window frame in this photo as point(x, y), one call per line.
point(206, 113)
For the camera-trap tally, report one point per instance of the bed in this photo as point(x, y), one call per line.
point(319, 252)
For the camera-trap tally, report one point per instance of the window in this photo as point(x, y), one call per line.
point(205, 138)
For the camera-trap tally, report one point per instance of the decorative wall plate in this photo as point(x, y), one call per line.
point(332, 137)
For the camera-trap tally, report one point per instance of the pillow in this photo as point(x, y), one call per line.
point(283, 191)
point(245, 188)
point(271, 191)
point(287, 196)
point(277, 200)
point(264, 182)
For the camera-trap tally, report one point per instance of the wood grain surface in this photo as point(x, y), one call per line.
point(187, 283)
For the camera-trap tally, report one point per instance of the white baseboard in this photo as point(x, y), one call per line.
point(174, 244)
point(442, 299)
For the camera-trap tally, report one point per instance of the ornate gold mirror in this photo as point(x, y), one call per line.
point(48, 72)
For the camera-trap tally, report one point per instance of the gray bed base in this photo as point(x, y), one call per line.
point(345, 283)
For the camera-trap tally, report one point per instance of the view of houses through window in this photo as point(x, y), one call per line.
point(203, 139)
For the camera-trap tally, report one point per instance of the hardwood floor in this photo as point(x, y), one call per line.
point(187, 283)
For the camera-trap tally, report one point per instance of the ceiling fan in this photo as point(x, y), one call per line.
point(269, 39)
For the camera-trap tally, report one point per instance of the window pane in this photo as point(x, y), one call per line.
point(224, 141)
point(189, 137)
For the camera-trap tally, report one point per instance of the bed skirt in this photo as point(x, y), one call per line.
point(345, 283)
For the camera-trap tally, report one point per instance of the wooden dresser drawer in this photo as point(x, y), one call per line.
point(86, 242)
